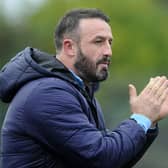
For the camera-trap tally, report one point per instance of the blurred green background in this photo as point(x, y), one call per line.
point(140, 30)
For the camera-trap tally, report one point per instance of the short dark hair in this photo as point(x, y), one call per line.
point(70, 21)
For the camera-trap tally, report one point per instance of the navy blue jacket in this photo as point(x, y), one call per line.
point(54, 122)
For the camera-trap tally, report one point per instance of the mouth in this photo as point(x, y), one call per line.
point(104, 65)
point(105, 60)
point(107, 63)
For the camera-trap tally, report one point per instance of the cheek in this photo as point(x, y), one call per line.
point(94, 56)
point(93, 53)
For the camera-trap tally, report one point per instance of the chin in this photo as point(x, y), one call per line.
point(102, 77)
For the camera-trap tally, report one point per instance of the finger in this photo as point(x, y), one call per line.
point(162, 89)
point(164, 96)
point(149, 86)
point(157, 85)
point(132, 92)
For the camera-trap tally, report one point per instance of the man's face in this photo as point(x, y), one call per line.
point(94, 50)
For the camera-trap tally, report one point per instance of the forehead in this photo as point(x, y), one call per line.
point(94, 27)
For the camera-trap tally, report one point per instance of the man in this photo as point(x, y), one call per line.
point(53, 119)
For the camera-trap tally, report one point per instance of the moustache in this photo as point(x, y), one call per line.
point(104, 60)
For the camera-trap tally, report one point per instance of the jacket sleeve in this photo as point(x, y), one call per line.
point(54, 118)
point(150, 137)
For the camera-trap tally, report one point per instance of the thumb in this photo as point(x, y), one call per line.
point(132, 92)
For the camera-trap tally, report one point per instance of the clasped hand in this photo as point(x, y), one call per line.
point(152, 102)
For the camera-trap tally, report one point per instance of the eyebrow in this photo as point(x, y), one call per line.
point(102, 37)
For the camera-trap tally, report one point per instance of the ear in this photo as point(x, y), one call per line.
point(69, 47)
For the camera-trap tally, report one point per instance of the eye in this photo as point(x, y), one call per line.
point(98, 41)
point(110, 42)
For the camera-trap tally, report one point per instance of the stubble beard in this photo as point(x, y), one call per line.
point(88, 70)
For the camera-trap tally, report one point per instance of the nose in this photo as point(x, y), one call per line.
point(108, 50)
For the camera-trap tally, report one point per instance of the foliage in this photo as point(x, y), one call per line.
point(139, 52)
